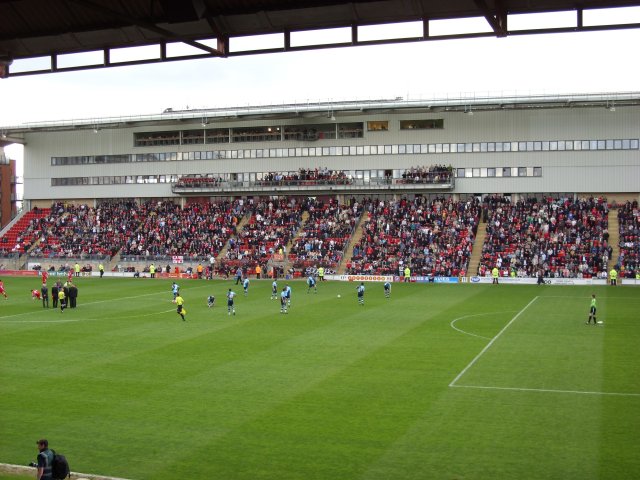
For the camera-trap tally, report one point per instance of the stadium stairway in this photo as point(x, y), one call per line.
point(355, 238)
point(614, 239)
point(286, 263)
point(476, 253)
point(243, 221)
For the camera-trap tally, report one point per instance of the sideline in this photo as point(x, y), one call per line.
point(547, 390)
point(477, 357)
point(22, 470)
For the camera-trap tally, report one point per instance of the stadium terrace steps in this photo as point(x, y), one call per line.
point(355, 238)
point(243, 221)
point(304, 218)
point(22, 223)
point(614, 239)
point(476, 253)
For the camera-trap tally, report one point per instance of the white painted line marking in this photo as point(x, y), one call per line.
point(453, 322)
point(477, 357)
point(547, 390)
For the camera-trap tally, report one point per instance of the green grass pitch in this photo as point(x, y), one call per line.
point(438, 382)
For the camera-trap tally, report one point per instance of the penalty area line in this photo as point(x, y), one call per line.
point(491, 342)
point(548, 390)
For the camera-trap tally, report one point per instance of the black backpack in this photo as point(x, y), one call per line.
point(60, 467)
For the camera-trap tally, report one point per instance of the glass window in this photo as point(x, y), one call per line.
point(352, 150)
point(446, 147)
point(387, 149)
point(601, 144)
point(432, 148)
point(553, 146)
point(633, 144)
point(394, 149)
point(593, 145)
point(402, 149)
point(483, 148)
point(499, 146)
point(476, 172)
point(514, 147)
point(609, 145)
point(421, 124)
point(374, 149)
point(491, 172)
point(460, 147)
point(468, 147)
point(378, 126)
point(506, 171)
point(359, 150)
point(522, 146)
point(585, 145)
point(626, 144)
point(522, 171)
point(568, 145)
point(537, 171)
point(454, 148)
point(476, 147)
point(537, 146)
point(491, 147)
point(438, 148)
point(460, 173)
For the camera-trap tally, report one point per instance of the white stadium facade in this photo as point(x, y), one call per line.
point(559, 145)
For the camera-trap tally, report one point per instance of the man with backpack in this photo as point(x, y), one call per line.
point(45, 461)
point(51, 466)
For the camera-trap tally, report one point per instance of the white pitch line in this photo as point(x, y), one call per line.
point(548, 390)
point(70, 320)
point(452, 324)
point(93, 303)
point(584, 298)
point(477, 357)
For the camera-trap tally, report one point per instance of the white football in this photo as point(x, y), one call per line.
point(339, 295)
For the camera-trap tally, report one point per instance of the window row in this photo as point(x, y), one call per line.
point(205, 135)
point(498, 172)
point(356, 150)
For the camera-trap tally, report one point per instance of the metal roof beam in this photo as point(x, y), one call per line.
point(496, 18)
point(168, 35)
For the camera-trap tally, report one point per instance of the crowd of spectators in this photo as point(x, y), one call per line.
point(561, 238)
point(316, 176)
point(629, 224)
point(198, 230)
point(199, 182)
point(73, 231)
point(272, 224)
point(432, 238)
point(325, 234)
point(431, 174)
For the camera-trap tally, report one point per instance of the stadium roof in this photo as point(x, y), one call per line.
point(332, 109)
point(51, 28)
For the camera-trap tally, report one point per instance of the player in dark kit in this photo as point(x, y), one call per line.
point(211, 300)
